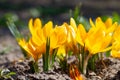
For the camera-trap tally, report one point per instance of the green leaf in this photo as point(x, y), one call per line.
point(10, 74)
point(6, 73)
point(107, 54)
point(14, 29)
point(46, 56)
point(54, 56)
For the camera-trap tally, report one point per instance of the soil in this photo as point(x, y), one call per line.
point(11, 58)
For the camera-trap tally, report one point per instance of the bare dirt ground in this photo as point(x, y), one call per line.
point(11, 58)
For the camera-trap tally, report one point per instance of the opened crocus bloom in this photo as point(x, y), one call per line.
point(39, 33)
point(115, 52)
point(98, 38)
point(36, 45)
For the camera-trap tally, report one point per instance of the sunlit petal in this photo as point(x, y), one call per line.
point(47, 29)
point(73, 24)
point(81, 34)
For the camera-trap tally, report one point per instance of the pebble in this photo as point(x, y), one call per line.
point(92, 74)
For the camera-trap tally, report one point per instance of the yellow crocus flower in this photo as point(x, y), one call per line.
point(33, 46)
point(37, 43)
point(71, 34)
point(98, 38)
point(36, 31)
point(97, 41)
point(115, 52)
point(58, 37)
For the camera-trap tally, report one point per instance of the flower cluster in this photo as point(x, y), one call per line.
point(36, 46)
point(48, 40)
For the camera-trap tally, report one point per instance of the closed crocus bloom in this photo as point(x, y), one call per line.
point(71, 35)
point(58, 37)
point(115, 52)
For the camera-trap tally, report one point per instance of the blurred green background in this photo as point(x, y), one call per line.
point(58, 11)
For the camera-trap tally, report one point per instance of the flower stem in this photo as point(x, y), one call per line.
point(86, 63)
point(33, 66)
point(36, 68)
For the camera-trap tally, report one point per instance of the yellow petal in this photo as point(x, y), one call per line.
point(100, 24)
point(47, 29)
point(81, 34)
point(61, 53)
point(22, 42)
point(35, 51)
point(61, 32)
point(37, 23)
point(116, 35)
point(24, 45)
point(108, 22)
point(31, 49)
point(53, 41)
point(91, 23)
point(115, 54)
point(112, 28)
point(32, 26)
point(98, 19)
point(58, 37)
point(106, 49)
point(38, 37)
point(73, 24)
